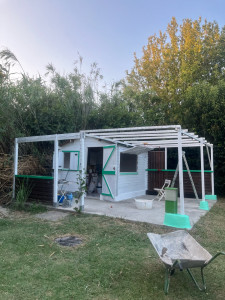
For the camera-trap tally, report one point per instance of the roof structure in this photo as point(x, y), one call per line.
point(149, 137)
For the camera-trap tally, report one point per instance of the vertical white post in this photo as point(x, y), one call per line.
point(82, 148)
point(180, 162)
point(212, 169)
point(16, 150)
point(165, 158)
point(56, 169)
point(202, 172)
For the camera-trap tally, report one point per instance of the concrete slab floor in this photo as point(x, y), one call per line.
point(127, 210)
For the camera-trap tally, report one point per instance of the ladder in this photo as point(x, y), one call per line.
point(189, 173)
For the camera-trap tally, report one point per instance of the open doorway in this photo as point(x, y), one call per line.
point(94, 171)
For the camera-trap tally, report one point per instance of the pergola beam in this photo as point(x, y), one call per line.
point(134, 128)
point(200, 140)
point(108, 140)
point(48, 138)
point(161, 143)
point(161, 140)
point(123, 133)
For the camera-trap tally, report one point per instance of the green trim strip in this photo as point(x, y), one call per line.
point(128, 173)
point(173, 170)
point(106, 194)
point(68, 170)
point(109, 155)
point(34, 176)
point(110, 193)
point(109, 172)
point(78, 162)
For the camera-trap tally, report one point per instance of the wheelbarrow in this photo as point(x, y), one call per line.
point(179, 250)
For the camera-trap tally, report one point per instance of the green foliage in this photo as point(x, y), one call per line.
point(81, 182)
point(35, 208)
point(202, 110)
point(22, 195)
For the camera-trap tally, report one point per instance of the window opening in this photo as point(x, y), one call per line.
point(128, 162)
point(66, 160)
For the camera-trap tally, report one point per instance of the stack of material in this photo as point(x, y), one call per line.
point(28, 165)
point(6, 176)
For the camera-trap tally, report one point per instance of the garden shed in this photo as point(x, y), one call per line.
point(115, 162)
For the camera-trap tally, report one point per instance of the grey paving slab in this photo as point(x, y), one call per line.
point(52, 215)
point(127, 210)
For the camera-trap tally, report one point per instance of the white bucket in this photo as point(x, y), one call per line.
point(143, 203)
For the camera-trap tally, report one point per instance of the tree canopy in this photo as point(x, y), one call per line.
point(179, 58)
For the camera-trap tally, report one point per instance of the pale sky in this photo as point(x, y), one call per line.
point(104, 31)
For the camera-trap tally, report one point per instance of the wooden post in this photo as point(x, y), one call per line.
point(16, 150)
point(180, 162)
point(56, 164)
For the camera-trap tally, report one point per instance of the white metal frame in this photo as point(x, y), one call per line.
point(150, 137)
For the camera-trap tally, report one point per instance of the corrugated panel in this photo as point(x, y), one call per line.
point(137, 150)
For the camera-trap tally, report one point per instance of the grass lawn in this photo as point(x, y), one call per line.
point(116, 260)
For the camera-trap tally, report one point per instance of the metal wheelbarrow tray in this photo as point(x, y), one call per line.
point(179, 250)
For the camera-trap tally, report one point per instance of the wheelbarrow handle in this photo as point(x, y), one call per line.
point(203, 288)
point(215, 256)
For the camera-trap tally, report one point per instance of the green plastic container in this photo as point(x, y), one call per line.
point(171, 200)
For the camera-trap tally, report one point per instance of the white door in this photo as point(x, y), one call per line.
point(109, 171)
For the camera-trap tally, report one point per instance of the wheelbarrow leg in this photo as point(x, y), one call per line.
point(168, 274)
point(167, 281)
point(203, 288)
